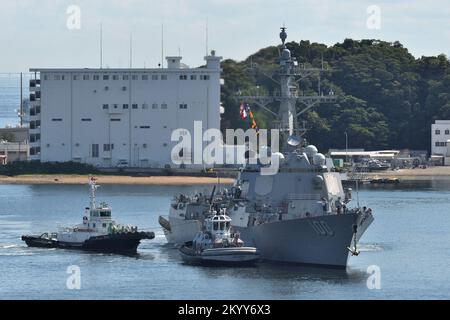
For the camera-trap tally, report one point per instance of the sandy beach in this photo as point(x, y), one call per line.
point(431, 173)
point(109, 179)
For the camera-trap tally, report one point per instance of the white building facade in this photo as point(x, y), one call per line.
point(440, 134)
point(109, 116)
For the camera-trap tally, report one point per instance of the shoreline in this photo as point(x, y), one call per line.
point(430, 173)
point(110, 179)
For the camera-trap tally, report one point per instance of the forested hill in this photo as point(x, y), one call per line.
point(387, 98)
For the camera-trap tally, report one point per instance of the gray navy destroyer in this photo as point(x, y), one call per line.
point(301, 214)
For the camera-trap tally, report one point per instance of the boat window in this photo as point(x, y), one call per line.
point(105, 214)
point(228, 225)
point(104, 225)
point(215, 226)
point(222, 225)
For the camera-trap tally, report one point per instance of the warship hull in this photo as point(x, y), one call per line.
point(320, 240)
point(181, 230)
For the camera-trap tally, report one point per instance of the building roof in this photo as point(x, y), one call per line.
point(377, 154)
point(121, 70)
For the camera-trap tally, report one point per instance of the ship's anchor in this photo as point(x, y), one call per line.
point(354, 251)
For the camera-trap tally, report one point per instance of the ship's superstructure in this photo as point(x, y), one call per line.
point(303, 206)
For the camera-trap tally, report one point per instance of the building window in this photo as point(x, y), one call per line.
point(144, 77)
point(193, 77)
point(134, 106)
point(115, 77)
point(447, 131)
point(57, 77)
point(144, 127)
point(105, 77)
point(437, 131)
point(86, 119)
point(125, 77)
point(163, 106)
point(96, 77)
point(56, 119)
point(105, 106)
point(106, 147)
point(75, 77)
point(125, 106)
point(95, 151)
point(45, 77)
point(155, 106)
point(86, 77)
point(183, 77)
point(204, 77)
point(144, 106)
point(134, 77)
point(154, 77)
point(116, 106)
point(163, 77)
point(144, 146)
point(183, 106)
point(114, 119)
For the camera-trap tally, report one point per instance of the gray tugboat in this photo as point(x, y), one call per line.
point(97, 232)
point(218, 244)
point(302, 213)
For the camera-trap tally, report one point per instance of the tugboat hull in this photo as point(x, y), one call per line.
point(39, 242)
point(221, 256)
point(112, 243)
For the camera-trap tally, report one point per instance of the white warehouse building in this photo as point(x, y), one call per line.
point(440, 134)
point(109, 116)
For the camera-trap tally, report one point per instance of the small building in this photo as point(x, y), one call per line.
point(440, 142)
point(13, 151)
point(355, 155)
point(17, 134)
point(440, 133)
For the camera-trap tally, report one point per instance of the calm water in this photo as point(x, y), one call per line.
point(409, 241)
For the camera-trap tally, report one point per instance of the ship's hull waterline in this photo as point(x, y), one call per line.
point(322, 240)
point(233, 256)
point(126, 243)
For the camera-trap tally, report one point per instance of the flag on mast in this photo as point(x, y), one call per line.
point(242, 111)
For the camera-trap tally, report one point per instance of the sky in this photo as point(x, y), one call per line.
point(50, 33)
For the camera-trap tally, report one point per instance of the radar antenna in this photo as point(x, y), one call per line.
point(288, 76)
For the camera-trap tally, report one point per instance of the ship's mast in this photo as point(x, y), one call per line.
point(288, 76)
point(94, 187)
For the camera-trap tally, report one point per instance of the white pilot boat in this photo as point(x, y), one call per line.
point(217, 244)
point(97, 232)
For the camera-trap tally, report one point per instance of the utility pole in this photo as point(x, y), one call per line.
point(346, 146)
